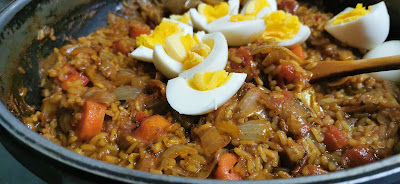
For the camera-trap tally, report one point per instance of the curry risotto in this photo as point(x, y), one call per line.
point(102, 103)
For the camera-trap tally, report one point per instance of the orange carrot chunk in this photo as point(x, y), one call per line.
point(92, 120)
point(151, 128)
point(299, 51)
point(225, 168)
point(334, 138)
point(71, 76)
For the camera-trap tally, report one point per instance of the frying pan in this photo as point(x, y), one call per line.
point(19, 23)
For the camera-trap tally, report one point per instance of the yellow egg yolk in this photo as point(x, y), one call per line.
point(188, 50)
point(281, 26)
point(212, 13)
point(351, 15)
point(255, 6)
point(204, 81)
point(181, 18)
point(160, 33)
point(240, 17)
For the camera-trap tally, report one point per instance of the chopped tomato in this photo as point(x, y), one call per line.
point(360, 155)
point(225, 167)
point(315, 170)
point(140, 116)
point(93, 114)
point(290, 6)
point(334, 138)
point(139, 28)
point(71, 76)
point(151, 128)
point(287, 71)
point(278, 101)
point(124, 46)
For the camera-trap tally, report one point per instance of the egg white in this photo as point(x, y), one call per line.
point(365, 32)
point(145, 54)
point(389, 48)
point(265, 10)
point(216, 59)
point(245, 32)
point(189, 101)
point(238, 33)
point(200, 22)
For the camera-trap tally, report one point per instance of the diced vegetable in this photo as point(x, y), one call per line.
point(174, 152)
point(92, 120)
point(140, 116)
point(334, 138)
point(126, 92)
point(241, 58)
point(299, 51)
point(139, 28)
point(151, 128)
point(314, 170)
point(212, 140)
point(225, 167)
point(71, 76)
point(287, 71)
point(248, 105)
point(125, 46)
point(99, 95)
point(254, 130)
point(359, 155)
point(290, 6)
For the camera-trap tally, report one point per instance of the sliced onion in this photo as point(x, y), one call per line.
point(248, 105)
point(255, 130)
point(126, 92)
point(99, 95)
point(174, 152)
point(212, 140)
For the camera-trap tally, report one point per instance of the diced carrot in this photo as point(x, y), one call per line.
point(71, 76)
point(334, 138)
point(151, 128)
point(92, 120)
point(299, 51)
point(359, 155)
point(225, 167)
point(139, 28)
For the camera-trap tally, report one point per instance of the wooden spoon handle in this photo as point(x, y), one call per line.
point(335, 69)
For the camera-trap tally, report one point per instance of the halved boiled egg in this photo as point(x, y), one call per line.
point(204, 92)
point(240, 32)
point(206, 14)
point(361, 27)
point(240, 29)
point(184, 55)
point(389, 48)
point(146, 43)
point(259, 8)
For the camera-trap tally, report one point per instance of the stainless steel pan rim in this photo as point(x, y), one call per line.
point(367, 173)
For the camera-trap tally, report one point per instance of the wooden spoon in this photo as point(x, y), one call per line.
point(334, 69)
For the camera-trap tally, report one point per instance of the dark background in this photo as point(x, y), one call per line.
point(11, 171)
